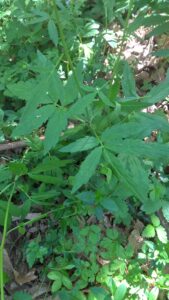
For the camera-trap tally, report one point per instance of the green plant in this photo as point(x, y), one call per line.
point(91, 168)
point(155, 228)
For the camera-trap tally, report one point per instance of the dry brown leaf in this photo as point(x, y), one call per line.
point(8, 267)
point(139, 226)
point(38, 290)
point(26, 278)
point(102, 261)
point(135, 240)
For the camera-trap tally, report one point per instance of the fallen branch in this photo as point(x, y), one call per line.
point(15, 145)
point(12, 145)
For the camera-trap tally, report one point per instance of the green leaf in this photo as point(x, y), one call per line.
point(91, 29)
point(46, 89)
point(56, 124)
point(138, 148)
point(158, 93)
point(98, 293)
point(140, 125)
point(83, 144)
point(21, 295)
point(87, 168)
point(66, 282)
point(45, 178)
point(118, 207)
point(71, 89)
point(51, 165)
point(162, 234)
point(165, 210)
point(109, 35)
point(155, 220)
point(149, 231)
point(35, 252)
point(120, 292)
point(1, 116)
point(46, 196)
point(79, 107)
point(34, 121)
point(114, 89)
point(129, 104)
point(153, 294)
point(54, 275)
point(104, 98)
point(18, 168)
point(14, 210)
point(110, 205)
point(151, 206)
point(64, 295)
point(147, 20)
point(56, 285)
point(129, 174)
point(128, 82)
point(161, 53)
point(53, 34)
point(38, 95)
point(162, 28)
point(21, 89)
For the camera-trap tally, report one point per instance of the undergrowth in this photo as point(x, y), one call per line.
point(91, 171)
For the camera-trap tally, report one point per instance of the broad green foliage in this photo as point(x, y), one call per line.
point(91, 167)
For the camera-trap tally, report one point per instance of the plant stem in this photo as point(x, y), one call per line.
point(5, 188)
point(42, 216)
point(4, 239)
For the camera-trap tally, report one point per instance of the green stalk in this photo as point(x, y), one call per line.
point(5, 188)
point(42, 216)
point(4, 240)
